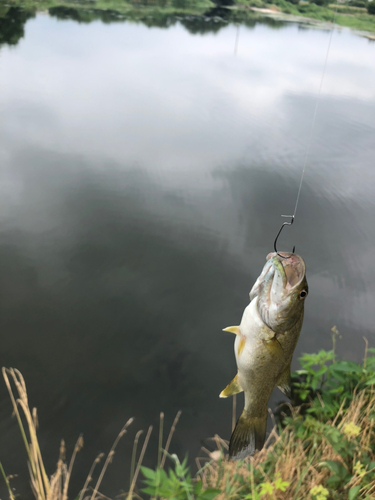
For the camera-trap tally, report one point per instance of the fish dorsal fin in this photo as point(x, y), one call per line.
point(275, 348)
point(233, 329)
point(232, 388)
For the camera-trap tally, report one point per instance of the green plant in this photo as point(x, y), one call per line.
point(371, 7)
point(321, 3)
point(177, 483)
point(268, 489)
point(319, 492)
point(328, 384)
point(358, 3)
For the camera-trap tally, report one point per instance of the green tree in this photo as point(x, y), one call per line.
point(358, 3)
point(321, 3)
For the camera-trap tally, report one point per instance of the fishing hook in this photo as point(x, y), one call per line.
point(278, 234)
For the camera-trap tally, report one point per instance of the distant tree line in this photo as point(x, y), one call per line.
point(365, 4)
point(199, 21)
point(371, 7)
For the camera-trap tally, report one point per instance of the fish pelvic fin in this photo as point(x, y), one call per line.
point(232, 388)
point(233, 329)
point(274, 347)
point(283, 382)
point(241, 344)
point(248, 436)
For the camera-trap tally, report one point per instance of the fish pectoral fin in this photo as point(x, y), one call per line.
point(283, 382)
point(248, 435)
point(231, 389)
point(233, 329)
point(275, 348)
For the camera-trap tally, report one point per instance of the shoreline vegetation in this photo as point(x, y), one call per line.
point(322, 16)
point(322, 446)
point(197, 16)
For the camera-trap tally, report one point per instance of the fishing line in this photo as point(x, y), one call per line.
point(292, 217)
point(315, 112)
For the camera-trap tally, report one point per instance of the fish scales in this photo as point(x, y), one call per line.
point(265, 341)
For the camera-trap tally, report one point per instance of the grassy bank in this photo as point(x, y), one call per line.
point(309, 459)
point(355, 18)
point(321, 448)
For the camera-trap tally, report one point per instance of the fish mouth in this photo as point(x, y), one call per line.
point(289, 266)
point(282, 273)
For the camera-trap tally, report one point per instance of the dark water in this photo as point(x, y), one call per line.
point(143, 175)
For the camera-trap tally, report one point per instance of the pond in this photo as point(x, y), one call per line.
point(145, 164)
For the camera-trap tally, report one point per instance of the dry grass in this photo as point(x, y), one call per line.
point(297, 461)
point(56, 486)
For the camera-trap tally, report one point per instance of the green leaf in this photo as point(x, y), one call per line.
point(209, 494)
point(266, 488)
point(303, 395)
point(321, 371)
point(149, 473)
point(299, 372)
point(346, 367)
point(198, 488)
point(335, 466)
point(353, 492)
point(149, 491)
point(371, 381)
point(314, 384)
point(281, 485)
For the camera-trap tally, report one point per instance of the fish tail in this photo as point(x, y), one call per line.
point(248, 436)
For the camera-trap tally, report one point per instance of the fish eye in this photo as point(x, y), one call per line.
point(303, 294)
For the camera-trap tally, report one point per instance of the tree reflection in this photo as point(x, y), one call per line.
point(211, 22)
point(197, 16)
point(208, 21)
point(12, 22)
point(85, 15)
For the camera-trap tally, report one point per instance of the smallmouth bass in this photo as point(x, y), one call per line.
point(264, 346)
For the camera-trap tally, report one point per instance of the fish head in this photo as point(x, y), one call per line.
point(281, 290)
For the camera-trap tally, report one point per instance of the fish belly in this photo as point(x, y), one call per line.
point(258, 368)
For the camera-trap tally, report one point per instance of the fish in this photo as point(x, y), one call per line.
point(264, 345)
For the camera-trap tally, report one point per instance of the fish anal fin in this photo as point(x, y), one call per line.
point(275, 348)
point(233, 329)
point(248, 436)
point(231, 389)
point(283, 382)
